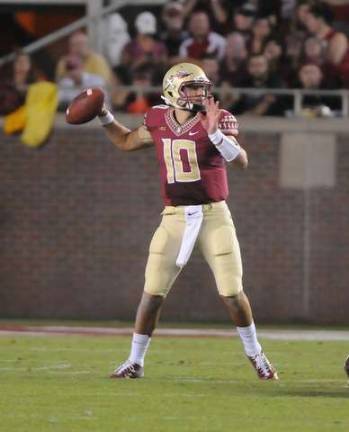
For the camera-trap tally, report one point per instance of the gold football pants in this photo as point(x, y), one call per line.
point(216, 240)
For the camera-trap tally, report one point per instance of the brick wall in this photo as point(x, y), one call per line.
point(76, 217)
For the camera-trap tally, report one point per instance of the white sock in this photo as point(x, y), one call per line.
point(249, 340)
point(140, 344)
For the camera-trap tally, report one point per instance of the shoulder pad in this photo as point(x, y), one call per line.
point(155, 116)
point(228, 123)
point(161, 106)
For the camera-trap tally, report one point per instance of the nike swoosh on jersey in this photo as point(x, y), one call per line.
point(193, 133)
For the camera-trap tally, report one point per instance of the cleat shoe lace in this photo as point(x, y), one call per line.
point(265, 370)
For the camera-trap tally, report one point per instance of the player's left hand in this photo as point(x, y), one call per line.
point(210, 118)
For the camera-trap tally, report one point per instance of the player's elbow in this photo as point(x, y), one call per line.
point(126, 147)
point(241, 160)
point(120, 145)
point(243, 164)
point(132, 141)
point(121, 142)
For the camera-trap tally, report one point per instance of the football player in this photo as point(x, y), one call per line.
point(194, 141)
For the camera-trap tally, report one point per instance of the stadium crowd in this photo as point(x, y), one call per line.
point(240, 44)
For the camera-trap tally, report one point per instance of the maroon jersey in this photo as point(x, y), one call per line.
point(192, 171)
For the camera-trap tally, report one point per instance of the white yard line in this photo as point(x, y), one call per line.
point(306, 335)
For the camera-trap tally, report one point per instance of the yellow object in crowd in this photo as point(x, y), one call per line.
point(36, 117)
point(41, 106)
point(15, 122)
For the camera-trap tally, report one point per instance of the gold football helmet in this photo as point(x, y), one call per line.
point(175, 82)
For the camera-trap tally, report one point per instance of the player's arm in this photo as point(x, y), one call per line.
point(241, 160)
point(227, 146)
point(122, 137)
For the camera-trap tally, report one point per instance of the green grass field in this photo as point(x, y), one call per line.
point(60, 383)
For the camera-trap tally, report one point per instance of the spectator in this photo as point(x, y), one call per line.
point(23, 72)
point(34, 103)
point(219, 11)
point(310, 77)
point(115, 37)
point(211, 67)
point(203, 41)
point(313, 52)
point(243, 20)
point(14, 89)
point(75, 80)
point(261, 32)
point(297, 33)
point(318, 22)
point(274, 52)
point(259, 76)
point(92, 62)
point(173, 34)
point(120, 95)
point(145, 48)
point(233, 64)
point(139, 103)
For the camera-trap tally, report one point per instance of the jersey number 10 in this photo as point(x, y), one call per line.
point(174, 150)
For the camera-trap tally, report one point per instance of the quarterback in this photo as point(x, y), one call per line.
point(194, 141)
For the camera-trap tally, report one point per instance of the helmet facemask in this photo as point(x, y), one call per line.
point(194, 102)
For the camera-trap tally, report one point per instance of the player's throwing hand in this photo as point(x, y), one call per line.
point(210, 118)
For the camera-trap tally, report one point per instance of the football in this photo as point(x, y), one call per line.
point(85, 107)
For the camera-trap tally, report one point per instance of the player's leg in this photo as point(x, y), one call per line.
point(148, 313)
point(239, 309)
point(240, 312)
point(160, 274)
point(220, 248)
